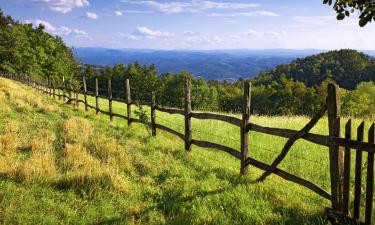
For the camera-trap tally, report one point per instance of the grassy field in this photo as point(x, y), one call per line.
point(60, 165)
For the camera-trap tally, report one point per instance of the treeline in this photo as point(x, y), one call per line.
point(31, 51)
point(280, 97)
point(347, 67)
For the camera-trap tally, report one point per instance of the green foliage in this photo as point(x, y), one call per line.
point(298, 88)
point(346, 67)
point(33, 52)
point(141, 113)
point(360, 103)
point(344, 8)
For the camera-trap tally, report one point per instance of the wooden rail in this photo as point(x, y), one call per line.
point(314, 138)
point(212, 116)
point(340, 163)
point(207, 144)
point(290, 177)
point(170, 110)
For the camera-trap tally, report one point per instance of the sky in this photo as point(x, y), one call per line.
point(194, 24)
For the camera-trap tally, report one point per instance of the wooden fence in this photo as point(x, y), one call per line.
point(339, 148)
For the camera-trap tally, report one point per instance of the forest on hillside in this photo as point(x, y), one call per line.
point(298, 88)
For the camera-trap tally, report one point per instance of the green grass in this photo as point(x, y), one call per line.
point(128, 177)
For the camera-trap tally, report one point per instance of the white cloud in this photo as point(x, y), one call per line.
point(62, 6)
point(252, 32)
point(191, 6)
point(79, 32)
point(91, 15)
point(137, 11)
point(147, 32)
point(265, 34)
point(60, 31)
point(255, 13)
point(118, 13)
point(47, 25)
point(64, 31)
point(142, 33)
point(131, 37)
point(190, 33)
point(313, 20)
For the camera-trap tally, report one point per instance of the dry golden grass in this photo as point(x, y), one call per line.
point(86, 160)
point(84, 169)
point(4, 108)
point(110, 153)
point(9, 164)
point(77, 130)
point(43, 141)
point(24, 98)
point(8, 142)
point(39, 167)
point(11, 126)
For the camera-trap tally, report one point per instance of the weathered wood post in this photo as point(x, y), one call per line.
point(128, 101)
point(58, 93)
point(347, 158)
point(245, 121)
point(153, 115)
point(358, 173)
point(85, 93)
point(370, 178)
point(48, 86)
point(188, 132)
point(63, 88)
point(97, 95)
point(110, 98)
point(70, 94)
point(335, 152)
point(77, 98)
point(53, 90)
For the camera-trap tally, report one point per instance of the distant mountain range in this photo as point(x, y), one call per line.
point(211, 65)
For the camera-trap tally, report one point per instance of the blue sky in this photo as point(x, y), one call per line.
point(194, 24)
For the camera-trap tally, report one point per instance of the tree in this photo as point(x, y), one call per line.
point(344, 8)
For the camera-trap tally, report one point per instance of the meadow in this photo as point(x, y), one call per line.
point(62, 165)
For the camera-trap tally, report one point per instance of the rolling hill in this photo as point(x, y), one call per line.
point(211, 65)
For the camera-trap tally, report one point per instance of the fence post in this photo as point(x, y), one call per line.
point(370, 178)
point(70, 94)
point(47, 87)
point(77, 98)
point(58, 92)
point(347, 158)
point(358, 173)
point(97, 95)
point(128, 101)
point(63, 88)
point(188, 132)
point(153, 115)
point(53, 90)
point(335, 152)
point(85, 92)
point(50, 86)
point(110, 98)
point(245, 121)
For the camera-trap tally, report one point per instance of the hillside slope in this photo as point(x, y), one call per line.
point(347, 67)
point(60, 165)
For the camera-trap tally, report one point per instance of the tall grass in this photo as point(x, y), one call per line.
point(64, 165)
